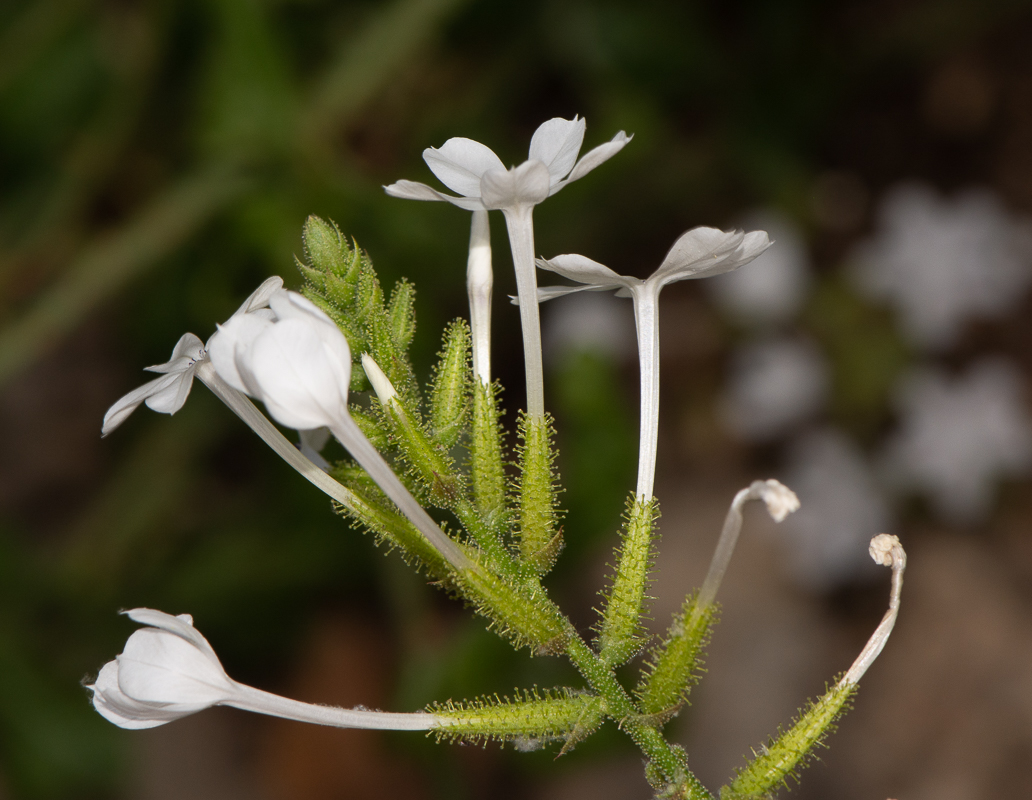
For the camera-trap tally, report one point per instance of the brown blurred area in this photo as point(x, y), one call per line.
point(157, 161)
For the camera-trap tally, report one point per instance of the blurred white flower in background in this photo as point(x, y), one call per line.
point(958, 436)
point(773, 386)
point(842, 508)
point(942, 261)
point(774, 286)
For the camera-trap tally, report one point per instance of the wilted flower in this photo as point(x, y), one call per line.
point(168, 670)
point(941, 262)
point(959, 435)
point(699, 253)
point(780, 501)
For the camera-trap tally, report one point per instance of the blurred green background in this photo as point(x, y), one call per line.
point(157, 161)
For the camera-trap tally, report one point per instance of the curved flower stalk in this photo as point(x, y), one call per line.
point(299, 365)
point(699, 253)
point(168, 671)
point(483, 183)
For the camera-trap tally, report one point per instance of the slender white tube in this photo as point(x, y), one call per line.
point(646, 322)
point(479, 283)
point(350, 435)
point(359, 447)
point(248, 698)
point(520, 224)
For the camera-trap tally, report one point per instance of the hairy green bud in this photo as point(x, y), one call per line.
point(486, 466)
point(622, 620)
point(540, 537)
point(449, 397)
point(529, 721)
point(674, 665)
point(786, 753)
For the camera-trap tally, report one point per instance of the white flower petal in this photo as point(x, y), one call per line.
point(126, 405)
point(115, 706)
point(583, 270)
point(595, 157)
point(411, 190)
point(188, 348)
point(260, 297)
point(234, 337)
point(158, 666)
point(556, 144)
point(169, 399)
point(181, 625)
point(527, 184)
point(700, 250)
point(302, 379)
point(460, 163)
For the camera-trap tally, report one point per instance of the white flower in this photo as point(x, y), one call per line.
point(957, 436)
point(774, 385)
point(842, 507)
point(482, 181)
point(168, 393)
point(299, 365)
point(168, 671)
point(773, 287)
point(941, 262)
point(699, 253)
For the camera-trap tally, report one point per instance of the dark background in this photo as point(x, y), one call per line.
point(157, 161)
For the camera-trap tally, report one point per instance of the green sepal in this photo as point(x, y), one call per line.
point(371, 426)
point(790, 749)
point(449, 397)
point(530, 719)
point(539, 535)
point(486, 459)
point(401, 311)
point(520, 612)
point(674, 665)
point(619, 632)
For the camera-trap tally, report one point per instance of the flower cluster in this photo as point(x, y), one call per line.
point(304, 355)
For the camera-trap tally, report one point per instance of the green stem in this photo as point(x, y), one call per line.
point(665, 758)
